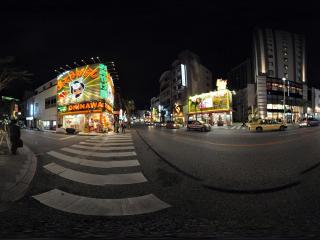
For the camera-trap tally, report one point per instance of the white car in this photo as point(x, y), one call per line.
point(61, 130)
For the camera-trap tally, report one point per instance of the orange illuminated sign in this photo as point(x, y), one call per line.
point(89, 106)
point(77, 73)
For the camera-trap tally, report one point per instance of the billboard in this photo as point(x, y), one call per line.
point(217, 101)
point(90, 83)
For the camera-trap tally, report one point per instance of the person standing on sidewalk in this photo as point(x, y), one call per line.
point(14, 133)
point(123, 127)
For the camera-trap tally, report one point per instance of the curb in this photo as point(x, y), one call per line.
point(17, 190)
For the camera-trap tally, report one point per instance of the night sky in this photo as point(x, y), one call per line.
point(144, 38)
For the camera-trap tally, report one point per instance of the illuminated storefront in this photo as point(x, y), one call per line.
point(178, 116)
point(85, 97)
point(212, 107)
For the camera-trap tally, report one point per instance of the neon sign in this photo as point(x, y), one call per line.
point(210, 102)
point(96, 105)
point(90, 83)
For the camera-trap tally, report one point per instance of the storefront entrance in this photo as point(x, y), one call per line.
point(76, 121)
point(224, 118)
point(90, 122)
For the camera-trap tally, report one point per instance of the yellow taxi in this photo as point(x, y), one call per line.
point(266, 125)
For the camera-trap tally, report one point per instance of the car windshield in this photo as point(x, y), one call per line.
point(159, 119)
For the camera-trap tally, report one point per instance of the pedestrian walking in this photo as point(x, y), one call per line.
point(14, 133)
point(123, 127)
point(117, 127)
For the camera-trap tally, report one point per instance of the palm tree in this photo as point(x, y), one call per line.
point(10, 73)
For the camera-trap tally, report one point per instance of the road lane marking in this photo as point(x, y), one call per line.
point(96, 179)
point(107, 144)
point(103, 148)
point(93, 163)
point(81, 205)
point(99, 154)
point(67, 137)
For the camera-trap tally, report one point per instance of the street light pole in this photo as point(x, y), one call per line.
point(284, 98)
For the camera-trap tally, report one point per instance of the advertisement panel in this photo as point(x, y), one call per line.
point(210, 102)
point(86, 84)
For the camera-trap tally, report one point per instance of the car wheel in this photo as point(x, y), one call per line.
point(202, 129)
point(281, 128)
point(259, 129)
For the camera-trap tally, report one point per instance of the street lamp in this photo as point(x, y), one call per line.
point(284, 97)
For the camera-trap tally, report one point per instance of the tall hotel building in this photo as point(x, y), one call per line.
point(279, 64)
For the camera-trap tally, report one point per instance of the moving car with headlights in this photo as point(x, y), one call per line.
point(172, 125)
point(266, 125)
point(198, 125)
point(309, 122)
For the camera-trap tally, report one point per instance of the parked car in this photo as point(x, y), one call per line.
point(309, 122)
point(157, 124)
point(149, 123)
point(163, 124)
point(198, 125)
point(71, 130)
point(172, 125)
point(266, 125)
point(61, 130)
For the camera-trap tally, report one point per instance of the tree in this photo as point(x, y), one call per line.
point(129, 107)
point(10, 73)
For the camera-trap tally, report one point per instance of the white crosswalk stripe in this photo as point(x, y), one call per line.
point(104, 148)
point(93, 163)
point(107, 144)
point(95, 179)
point(115, 147)
point(106, 141)
point(99, 154)
point(71, 203)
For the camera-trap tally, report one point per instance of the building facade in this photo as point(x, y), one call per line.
point(277, 71)
point(41, 109)
point(279, 64)
point(155, 109)
point(85, 98)
point(187, 77)
point(315, 93)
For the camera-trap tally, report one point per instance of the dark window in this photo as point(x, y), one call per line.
point(50, 102)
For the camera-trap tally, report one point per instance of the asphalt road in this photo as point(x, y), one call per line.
point(224, 183)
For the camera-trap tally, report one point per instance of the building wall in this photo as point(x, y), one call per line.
point(240, 76)
point(38, 108)
point(316, 102)
point(187, 77)
point(280, 54)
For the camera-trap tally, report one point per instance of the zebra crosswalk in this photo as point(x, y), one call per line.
point(108, 153)
point(236, 127)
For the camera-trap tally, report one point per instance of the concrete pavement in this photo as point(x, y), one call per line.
point(68, 198)
point(16, 174)
point(249, 162)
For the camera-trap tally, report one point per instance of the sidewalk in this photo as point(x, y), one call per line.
point(16, 174)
